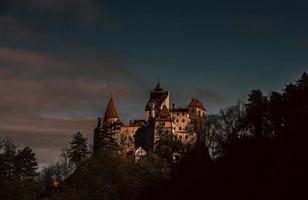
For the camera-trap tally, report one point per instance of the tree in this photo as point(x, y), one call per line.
point(104, 138)
point(257, 113)
point(167, 145)
point(26, 164)
point(65, 166)
point(79, 150)
point(276, 112)
point(8, 158)
point(232, 121)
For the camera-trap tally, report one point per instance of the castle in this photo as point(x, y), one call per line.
point(159, 119)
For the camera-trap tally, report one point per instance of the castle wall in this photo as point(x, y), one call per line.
point(196, 112)
point(182, 128)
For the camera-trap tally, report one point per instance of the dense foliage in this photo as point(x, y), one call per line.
point(18, 172)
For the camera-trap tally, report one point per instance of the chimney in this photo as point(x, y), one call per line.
point(173, 105)
point(130, 122)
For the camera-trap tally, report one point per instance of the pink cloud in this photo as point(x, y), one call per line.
point(29, 59)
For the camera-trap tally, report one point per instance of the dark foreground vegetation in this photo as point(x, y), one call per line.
point(258, 150)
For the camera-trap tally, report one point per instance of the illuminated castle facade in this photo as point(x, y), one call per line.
point(159, 118)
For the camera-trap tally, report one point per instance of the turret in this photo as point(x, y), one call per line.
point(158, 99)
point(196, 109)
point(111, 114)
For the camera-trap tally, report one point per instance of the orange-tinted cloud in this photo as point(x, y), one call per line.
point(44, 114)
point(28, 58)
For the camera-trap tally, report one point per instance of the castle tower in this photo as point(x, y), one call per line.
point(196, 109)
point(111, 125)
point(158, 99)
point(163, 124)
point(111, 114)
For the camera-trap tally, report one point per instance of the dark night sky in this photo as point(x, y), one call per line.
point(60, 59)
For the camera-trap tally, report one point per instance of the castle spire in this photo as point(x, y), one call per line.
point(111, 111)
point(157, 87)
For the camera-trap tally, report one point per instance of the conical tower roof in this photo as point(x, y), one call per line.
point(158, 88)
point(111, 111)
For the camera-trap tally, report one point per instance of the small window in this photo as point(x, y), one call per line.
point(166, 132)
point(177, 114)
point(173, 128)
point(186, 137)
point(180, 128)
point(180, 137)
point(183, 120)
point(177, 120)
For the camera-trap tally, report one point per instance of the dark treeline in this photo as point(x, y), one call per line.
point(18, 171)
point(259, 150)
point(252, 150)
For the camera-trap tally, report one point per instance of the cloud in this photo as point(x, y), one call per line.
point(182, 94)
point(16, 30)
point(209, 95)
point(269, 29)
point(82, 63)
point(28, 58)
point(59, 12)
point(45, 115)
point(42, 22)
point(47, 136)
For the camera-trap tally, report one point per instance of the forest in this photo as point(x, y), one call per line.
point(255, 149)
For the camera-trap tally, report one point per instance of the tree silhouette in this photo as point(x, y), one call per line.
point(256, 113)
point(8, 158)
point(26, 164)
point(79, 150)
point(104, 138)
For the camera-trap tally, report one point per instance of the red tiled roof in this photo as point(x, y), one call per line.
point(196, 103)
point(111, 111)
